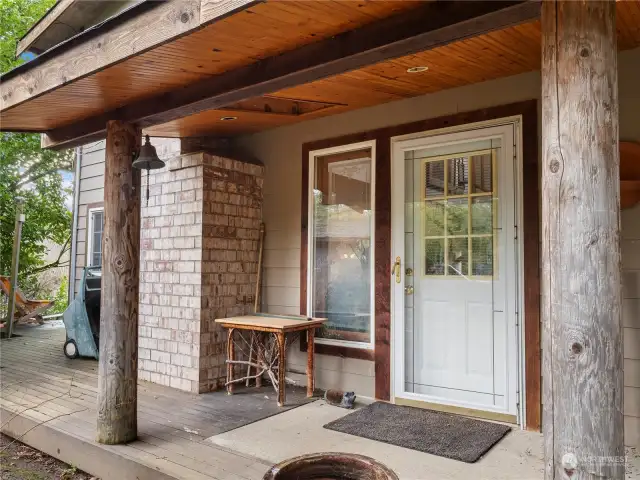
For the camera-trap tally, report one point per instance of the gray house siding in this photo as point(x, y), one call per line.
point(91, 192)
point(90, 187)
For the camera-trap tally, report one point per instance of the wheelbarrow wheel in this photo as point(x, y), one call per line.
point(70, 349)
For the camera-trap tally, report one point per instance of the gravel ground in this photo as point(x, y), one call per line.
point(20, 462)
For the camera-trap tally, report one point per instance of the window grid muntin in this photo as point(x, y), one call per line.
point(469, 195)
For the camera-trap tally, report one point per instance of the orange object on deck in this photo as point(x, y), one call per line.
point(25, 307)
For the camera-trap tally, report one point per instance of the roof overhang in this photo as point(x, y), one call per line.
point(68, 18)
point(163, 64)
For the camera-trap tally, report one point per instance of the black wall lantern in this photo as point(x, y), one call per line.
point(147, 159)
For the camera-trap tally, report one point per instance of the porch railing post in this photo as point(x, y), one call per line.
point(581, 279)
point(118, 364)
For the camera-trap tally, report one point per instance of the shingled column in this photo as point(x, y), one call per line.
point(118, 365)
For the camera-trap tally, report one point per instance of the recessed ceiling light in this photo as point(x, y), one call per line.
point(227, 119)
point(417, 69)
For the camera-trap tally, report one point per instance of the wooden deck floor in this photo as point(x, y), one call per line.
point(49, 402)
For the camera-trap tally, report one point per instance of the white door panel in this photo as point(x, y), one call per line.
point(454, 227)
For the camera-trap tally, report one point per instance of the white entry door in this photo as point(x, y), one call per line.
point(455, 288)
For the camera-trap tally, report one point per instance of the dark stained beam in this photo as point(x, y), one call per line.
point(433, 25)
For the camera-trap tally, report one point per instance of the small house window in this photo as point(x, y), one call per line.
point(341, 243)
point(96, 225)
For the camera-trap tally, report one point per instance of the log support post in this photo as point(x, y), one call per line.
point(118, 364)
point(581, 280)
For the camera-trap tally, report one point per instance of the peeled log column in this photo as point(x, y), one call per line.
point(118, 365)
point(582, 392)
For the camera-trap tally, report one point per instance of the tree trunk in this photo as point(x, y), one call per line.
point(581, 293)
point(118, 365)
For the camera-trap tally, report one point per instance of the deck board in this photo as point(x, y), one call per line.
point(41, 388)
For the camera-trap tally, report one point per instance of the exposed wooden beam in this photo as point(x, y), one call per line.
point(581, 288)
point(142, 27)
point(433, 25)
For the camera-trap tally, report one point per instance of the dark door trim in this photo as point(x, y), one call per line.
point(530, 227)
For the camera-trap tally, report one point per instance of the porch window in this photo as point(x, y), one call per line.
point(94, 237)
point(341, 243)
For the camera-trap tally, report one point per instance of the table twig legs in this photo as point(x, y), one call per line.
point(231, 353)
point(282, 363)
point(260, 354)
point(310, 374)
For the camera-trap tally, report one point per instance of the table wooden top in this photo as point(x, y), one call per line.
point(270, 321)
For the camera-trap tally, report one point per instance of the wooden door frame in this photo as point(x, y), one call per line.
point(381, 355)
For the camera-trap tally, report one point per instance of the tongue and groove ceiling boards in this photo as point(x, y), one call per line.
point(264, 32)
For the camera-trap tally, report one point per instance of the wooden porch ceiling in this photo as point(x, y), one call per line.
point(266, 30)
point(498, 54)
point(259, 32)
point(461, 63)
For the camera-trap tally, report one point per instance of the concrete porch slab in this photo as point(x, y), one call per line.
point(299, 431)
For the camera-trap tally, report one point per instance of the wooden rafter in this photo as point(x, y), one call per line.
point(433, 25)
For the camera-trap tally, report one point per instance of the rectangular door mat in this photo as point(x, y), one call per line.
point(437, 433)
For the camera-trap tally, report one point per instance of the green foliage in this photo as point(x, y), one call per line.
point(33, 174)
point(27, 171)
point(16, 18)
point(61, 298)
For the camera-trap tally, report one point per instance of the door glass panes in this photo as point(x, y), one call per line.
point(458, 256)
point(341, 243)
point(434, 179)
point(482, 256)
point(434, 218)
point(482, 173)
point(458, 214)
point(434, 256)
point(482, 215)
point(458, 176)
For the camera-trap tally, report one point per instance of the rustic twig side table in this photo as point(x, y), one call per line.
point(268, 355)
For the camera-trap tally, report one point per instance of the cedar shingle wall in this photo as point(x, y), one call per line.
point(199, 254)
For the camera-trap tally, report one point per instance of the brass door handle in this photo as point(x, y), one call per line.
point(397, 270)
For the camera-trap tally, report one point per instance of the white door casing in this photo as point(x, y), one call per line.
point(455, 340)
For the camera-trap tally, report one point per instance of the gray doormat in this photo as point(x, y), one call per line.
point(443, 434)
